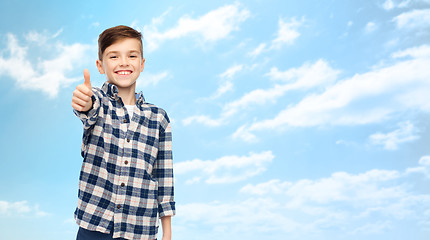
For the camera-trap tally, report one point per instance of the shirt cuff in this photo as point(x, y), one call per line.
point(89, 117)
point(166, 209)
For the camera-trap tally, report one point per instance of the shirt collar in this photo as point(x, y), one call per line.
point(112, 91)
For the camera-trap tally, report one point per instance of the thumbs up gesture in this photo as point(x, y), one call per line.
point(81, 100)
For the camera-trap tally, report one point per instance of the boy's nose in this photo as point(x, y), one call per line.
point(123, 62)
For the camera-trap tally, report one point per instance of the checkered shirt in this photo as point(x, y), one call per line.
point(126, 179)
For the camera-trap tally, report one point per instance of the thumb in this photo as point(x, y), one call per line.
point(87, 78)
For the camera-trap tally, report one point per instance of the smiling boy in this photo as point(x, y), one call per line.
point(126, 179)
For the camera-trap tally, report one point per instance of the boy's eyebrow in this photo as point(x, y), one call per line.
point(131, 51)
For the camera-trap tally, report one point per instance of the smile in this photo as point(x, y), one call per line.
point(123, 72)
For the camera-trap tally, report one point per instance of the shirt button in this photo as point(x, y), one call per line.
point(119, 100)
point(119, 206)
point(128, 139)
point(126, 162)
point(125, 120)
point(122, 184)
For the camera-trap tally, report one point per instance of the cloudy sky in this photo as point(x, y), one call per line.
point(291, 119)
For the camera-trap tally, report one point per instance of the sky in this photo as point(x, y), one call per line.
point(290, 119)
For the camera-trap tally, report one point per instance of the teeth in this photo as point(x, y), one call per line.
point(123, 72)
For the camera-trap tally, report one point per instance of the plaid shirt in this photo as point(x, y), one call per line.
point(126, 179)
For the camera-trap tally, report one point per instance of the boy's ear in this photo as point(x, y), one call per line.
point(142, 65)
point(99, 64)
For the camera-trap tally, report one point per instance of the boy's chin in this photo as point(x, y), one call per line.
point(123, 84)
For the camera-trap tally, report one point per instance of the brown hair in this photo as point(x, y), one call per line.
point(114, 34)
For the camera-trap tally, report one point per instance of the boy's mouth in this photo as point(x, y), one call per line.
point(124, 72)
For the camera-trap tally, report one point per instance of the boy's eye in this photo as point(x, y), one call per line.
point(112, 57)
point(133, 56)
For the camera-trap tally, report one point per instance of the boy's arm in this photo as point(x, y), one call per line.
point(166, 223)
point(163, 170)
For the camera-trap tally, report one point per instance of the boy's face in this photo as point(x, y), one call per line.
point(122, 63)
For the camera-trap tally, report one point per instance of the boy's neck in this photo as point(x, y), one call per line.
point(128, 94)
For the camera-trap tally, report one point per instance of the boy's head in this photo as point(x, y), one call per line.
point(114, 34)
point(120, 56)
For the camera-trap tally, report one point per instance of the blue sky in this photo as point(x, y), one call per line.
point(291, 119)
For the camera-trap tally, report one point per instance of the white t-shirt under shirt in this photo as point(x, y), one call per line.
point(130, 110)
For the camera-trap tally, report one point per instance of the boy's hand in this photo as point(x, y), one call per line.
point(81, 100)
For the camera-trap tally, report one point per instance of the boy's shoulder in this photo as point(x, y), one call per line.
point(109, 91)
point(157, 114)
point(155, 109)
point(106, 90)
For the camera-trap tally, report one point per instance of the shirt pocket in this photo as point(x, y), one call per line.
point(111, 133)
point(147, 147)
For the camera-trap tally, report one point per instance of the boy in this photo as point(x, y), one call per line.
point(126, 180)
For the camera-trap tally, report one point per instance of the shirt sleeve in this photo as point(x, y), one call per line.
point(89, 119)
point(163, 171)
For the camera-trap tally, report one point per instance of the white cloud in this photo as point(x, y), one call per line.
point(203, 119)
point(418, 18)
point(41, 38)
point(346, 143)
point(286, 35)
point(151, 79)
point(258, 50)
point(422, 51)
point(362, 99)
point(243, 133)
point(240, 219)
point(311, 208)
point(213, 26)
point(21, 208)
point(370, 27)
point(95, 24)
point(226, 169)
point(274, 186)
point(307, 76)
point(47, 76)
point(340, 186)
point(287, 32)
point(390, 4)
point(372, 228)
point(424, 167)
point(160, 19)
point(405, 133)
point(425, 161)
point(226, 81)
point(230, 72)
point(225, 85)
